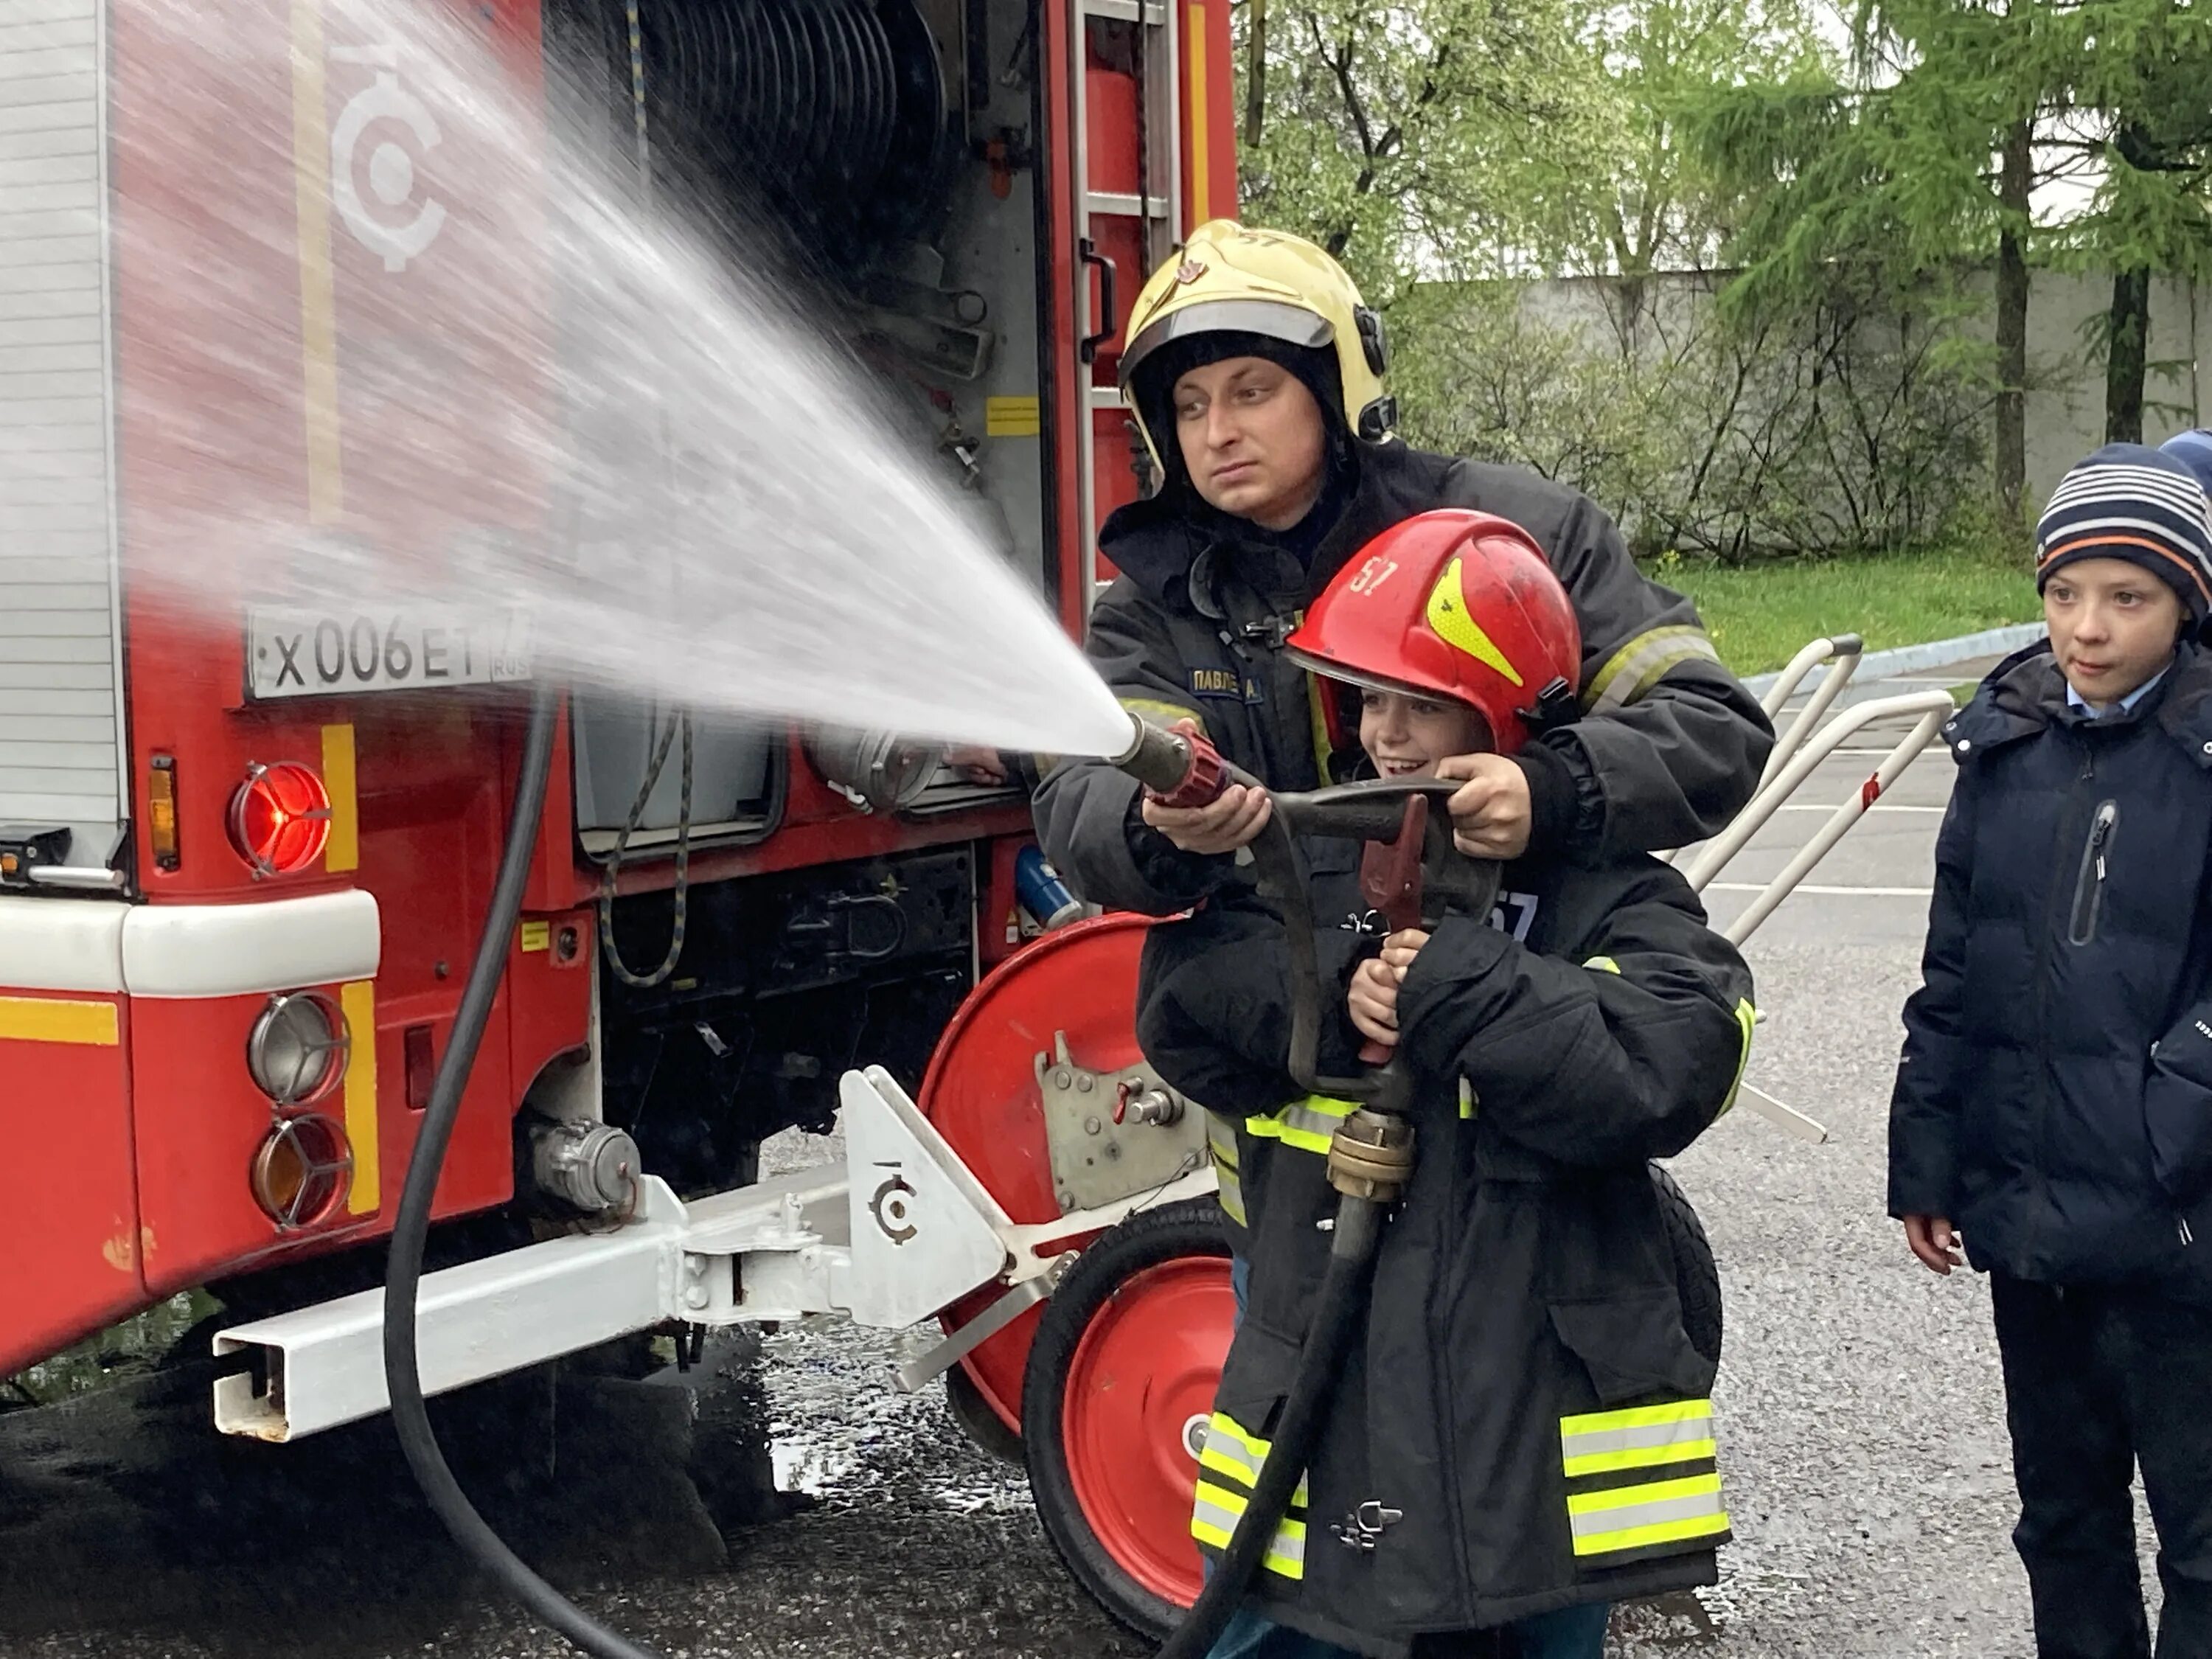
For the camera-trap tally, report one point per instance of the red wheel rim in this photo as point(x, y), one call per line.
point(1142, 1378)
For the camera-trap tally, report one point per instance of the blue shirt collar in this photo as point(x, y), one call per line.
point(2075, 700)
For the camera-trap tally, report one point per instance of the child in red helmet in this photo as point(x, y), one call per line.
point(1523, 1434)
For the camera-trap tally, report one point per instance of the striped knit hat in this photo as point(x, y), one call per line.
point(2194, 451)
point(2130, 503)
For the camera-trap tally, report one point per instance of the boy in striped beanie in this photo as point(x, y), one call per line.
point(2051, 1120)
point(2125, 512)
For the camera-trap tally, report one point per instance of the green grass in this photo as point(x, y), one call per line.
point(1759, 615)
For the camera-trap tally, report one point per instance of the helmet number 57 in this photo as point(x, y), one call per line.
point(1373, 574)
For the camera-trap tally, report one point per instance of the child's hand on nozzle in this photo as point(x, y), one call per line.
point(1229, 823)
point(1931, 1239)
point(1373, 1002)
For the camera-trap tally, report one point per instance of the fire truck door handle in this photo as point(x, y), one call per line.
point(1089, 349)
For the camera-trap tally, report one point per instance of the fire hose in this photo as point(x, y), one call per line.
point(1412, 875)
point(1369, 1162)
point(410, 1228)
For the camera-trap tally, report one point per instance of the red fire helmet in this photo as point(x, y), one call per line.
point(1451, 604)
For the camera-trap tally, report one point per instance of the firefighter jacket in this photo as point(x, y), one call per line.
point(2054, 1096)
point(1525, 1423)
point(1194, 629)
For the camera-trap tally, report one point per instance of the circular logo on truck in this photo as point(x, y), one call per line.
point(387, 167)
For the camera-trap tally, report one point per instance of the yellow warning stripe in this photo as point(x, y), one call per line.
point(342, 852)
point(358, 1003)
point(318, 342)
point(1201, 137)
point(50, 1019)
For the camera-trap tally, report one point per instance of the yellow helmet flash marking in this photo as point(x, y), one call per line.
point(1447, 616)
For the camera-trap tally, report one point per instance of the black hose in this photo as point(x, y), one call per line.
point(1337, 1314)
point(402, 1374)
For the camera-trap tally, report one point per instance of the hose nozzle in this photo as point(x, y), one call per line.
point(1177, 765)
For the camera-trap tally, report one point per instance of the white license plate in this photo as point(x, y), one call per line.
point(298, 651)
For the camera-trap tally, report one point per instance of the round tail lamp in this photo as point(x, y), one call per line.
point(298, 1048)
point(302, 1171)
point(280, 818)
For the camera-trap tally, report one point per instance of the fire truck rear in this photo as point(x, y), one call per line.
point(242, 863)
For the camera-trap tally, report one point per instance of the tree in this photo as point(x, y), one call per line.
point(1937, 150)
point(1645, 202)
point(2142, 105)
point(1398, 135)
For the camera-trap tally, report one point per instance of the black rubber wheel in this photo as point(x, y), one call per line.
point(1158, 1246)
point(984, 1426)
point(1697, 1275)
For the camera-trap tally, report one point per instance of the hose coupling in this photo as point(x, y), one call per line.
point(1177, 765)
point(1371, 1157)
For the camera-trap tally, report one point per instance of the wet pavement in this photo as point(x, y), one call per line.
point(810, 1512)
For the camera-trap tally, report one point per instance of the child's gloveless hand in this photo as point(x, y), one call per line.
point(1373, 1002)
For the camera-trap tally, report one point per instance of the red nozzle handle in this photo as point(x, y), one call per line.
point(1207, 776)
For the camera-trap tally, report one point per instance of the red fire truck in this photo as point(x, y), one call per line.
point(242, 864)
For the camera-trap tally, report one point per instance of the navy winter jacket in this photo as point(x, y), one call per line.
point(2055, 1097)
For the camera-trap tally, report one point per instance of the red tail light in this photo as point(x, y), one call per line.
point(280, 818)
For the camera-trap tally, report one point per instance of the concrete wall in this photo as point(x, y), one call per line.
point(2066, 399)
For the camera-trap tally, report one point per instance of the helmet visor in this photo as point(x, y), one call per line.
point(1328, 669)
point(1277, 320)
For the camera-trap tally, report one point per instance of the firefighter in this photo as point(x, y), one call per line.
point(1254, 376)
point(1524, 1433)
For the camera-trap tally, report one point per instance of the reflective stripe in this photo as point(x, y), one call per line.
point(1466, 1098)
point(1642, 1514)
point(1214, 1519)
point(1308, 1125)
point(1637, 1517)
point(1229, 1192)
point(1609, 1508)
point(1746, 1017)
point(1221, 1139)
point(1573, 1429)
point(1324, 751)
point(1229, 1451)
point(1162, 712)
point(1639, 664)
point(1221, 1145)
point(1603, 965)
point(1649, 1456)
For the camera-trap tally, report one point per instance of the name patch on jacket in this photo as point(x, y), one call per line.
point(1224, 682)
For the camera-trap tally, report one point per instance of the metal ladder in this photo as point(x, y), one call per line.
point(1106, 208)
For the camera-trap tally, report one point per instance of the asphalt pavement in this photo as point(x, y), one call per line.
point(786, 1501)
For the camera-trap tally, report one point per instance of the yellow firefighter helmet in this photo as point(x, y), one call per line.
point(1227, 279)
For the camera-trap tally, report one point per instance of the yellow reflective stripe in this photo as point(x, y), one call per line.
point(1214, 1517)
point(1746, 1017)
point(1635, 1417)
point(1310, 1125)
point(1222, 1426)
point(1639, 664)
point(1324, 751)
point(1617, 1499)
point(1466, 1099)
point(1161, 713)
point(1657, 1532)
point(1640, 1457)
point(1603, 965)
point(1229, 1451)
point(1229, 1192)
point(1221, 1139)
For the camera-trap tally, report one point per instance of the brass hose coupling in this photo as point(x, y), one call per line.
point(1371, 1157)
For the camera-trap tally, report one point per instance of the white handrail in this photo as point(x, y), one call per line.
point(1717, 851)
point(1939, 708)
point(1846, 650)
